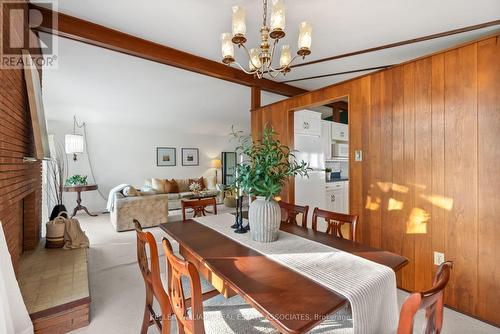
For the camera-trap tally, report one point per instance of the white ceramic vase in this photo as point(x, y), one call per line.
point(264, 217)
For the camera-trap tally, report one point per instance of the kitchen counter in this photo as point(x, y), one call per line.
point(337, 180)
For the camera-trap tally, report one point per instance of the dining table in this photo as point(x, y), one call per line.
point(292, 302)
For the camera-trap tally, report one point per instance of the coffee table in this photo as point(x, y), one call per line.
point(199, 204)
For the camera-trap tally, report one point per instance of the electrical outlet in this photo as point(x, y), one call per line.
point(438, 258)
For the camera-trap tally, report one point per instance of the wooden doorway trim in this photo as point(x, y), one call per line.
point(337, 101)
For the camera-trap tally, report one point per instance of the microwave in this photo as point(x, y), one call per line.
point(340, 150)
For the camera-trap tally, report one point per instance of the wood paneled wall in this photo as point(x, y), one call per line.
point(429, 180)
point(20, 183)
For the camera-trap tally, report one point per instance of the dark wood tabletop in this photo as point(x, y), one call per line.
point(79, 188)
point(292, 302)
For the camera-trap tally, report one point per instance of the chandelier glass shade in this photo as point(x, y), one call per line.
point(260, 59)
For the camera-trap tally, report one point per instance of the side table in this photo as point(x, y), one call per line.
point(78, 190)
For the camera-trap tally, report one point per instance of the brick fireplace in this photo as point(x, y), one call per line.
point(20, 182)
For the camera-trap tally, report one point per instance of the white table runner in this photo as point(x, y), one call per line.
point(370, 287)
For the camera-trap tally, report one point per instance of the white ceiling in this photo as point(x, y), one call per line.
point(102, 86)
point(339, 26)
point(110, 87)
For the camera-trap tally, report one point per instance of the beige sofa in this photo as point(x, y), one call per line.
point(150, 206)
point(150, 210)
point(174, 199)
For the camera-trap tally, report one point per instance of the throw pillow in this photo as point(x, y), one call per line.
point(129, 191)
point(158, 185)
point(148, 183)
point(183, 185)
point(200, 181)
point(171, 187)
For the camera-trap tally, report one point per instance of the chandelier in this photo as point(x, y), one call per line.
point(261, 59)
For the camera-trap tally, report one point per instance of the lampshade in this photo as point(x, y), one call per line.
point(286, 56)
point(216, 163)
point(239, 25)
point(73, 144)
point(254, 61)
point(305, 35)
point(227, 47)
point(278, 15)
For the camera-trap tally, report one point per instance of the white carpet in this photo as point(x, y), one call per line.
point(117, 288)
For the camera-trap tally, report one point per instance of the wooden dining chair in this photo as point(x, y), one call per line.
point(292, 211)
point(193, 322)
point(430, 300)
point(335, 222)
point(177, 268)
point(154, 288)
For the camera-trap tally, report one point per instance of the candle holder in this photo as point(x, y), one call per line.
point(236, 222)
point(239, 216)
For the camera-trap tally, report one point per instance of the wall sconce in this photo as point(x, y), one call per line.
point(73, 143)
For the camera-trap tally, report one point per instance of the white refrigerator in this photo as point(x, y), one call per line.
point(310, 191)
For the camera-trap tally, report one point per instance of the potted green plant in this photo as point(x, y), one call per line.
point(76, 180)
point(266, 167)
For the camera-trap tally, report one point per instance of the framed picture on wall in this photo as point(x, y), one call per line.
point(165, 156)
point(190, 157)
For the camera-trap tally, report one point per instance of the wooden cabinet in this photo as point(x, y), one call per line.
point(326, 138)
point(307, 123)
point(340, 131)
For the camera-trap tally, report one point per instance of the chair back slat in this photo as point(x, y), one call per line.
point(142, 255)
point(335, 221)
point(430, 300)
point(178, 268)
point(150, 271)
point(291, 212)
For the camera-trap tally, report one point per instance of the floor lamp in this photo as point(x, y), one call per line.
point(216, 164)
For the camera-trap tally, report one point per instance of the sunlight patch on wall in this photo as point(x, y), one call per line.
point(386, 186)
point(394, 205)
point(372, 204)
point(417, 222)
point(439, 201)
point(399, 188)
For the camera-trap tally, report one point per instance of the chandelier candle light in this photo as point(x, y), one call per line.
point(260, 60)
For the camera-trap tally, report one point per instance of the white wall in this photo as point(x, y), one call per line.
point(128, 155)
point(132, 106)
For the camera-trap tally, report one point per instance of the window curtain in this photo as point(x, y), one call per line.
point(14, 318)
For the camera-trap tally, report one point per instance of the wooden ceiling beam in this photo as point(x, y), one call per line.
point(94, 34)
point(255, 99)
point(401, 43)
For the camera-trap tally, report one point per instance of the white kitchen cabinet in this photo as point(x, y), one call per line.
point(326, 138)
point(340, 131)
point(337, 196)
point(307, 123)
